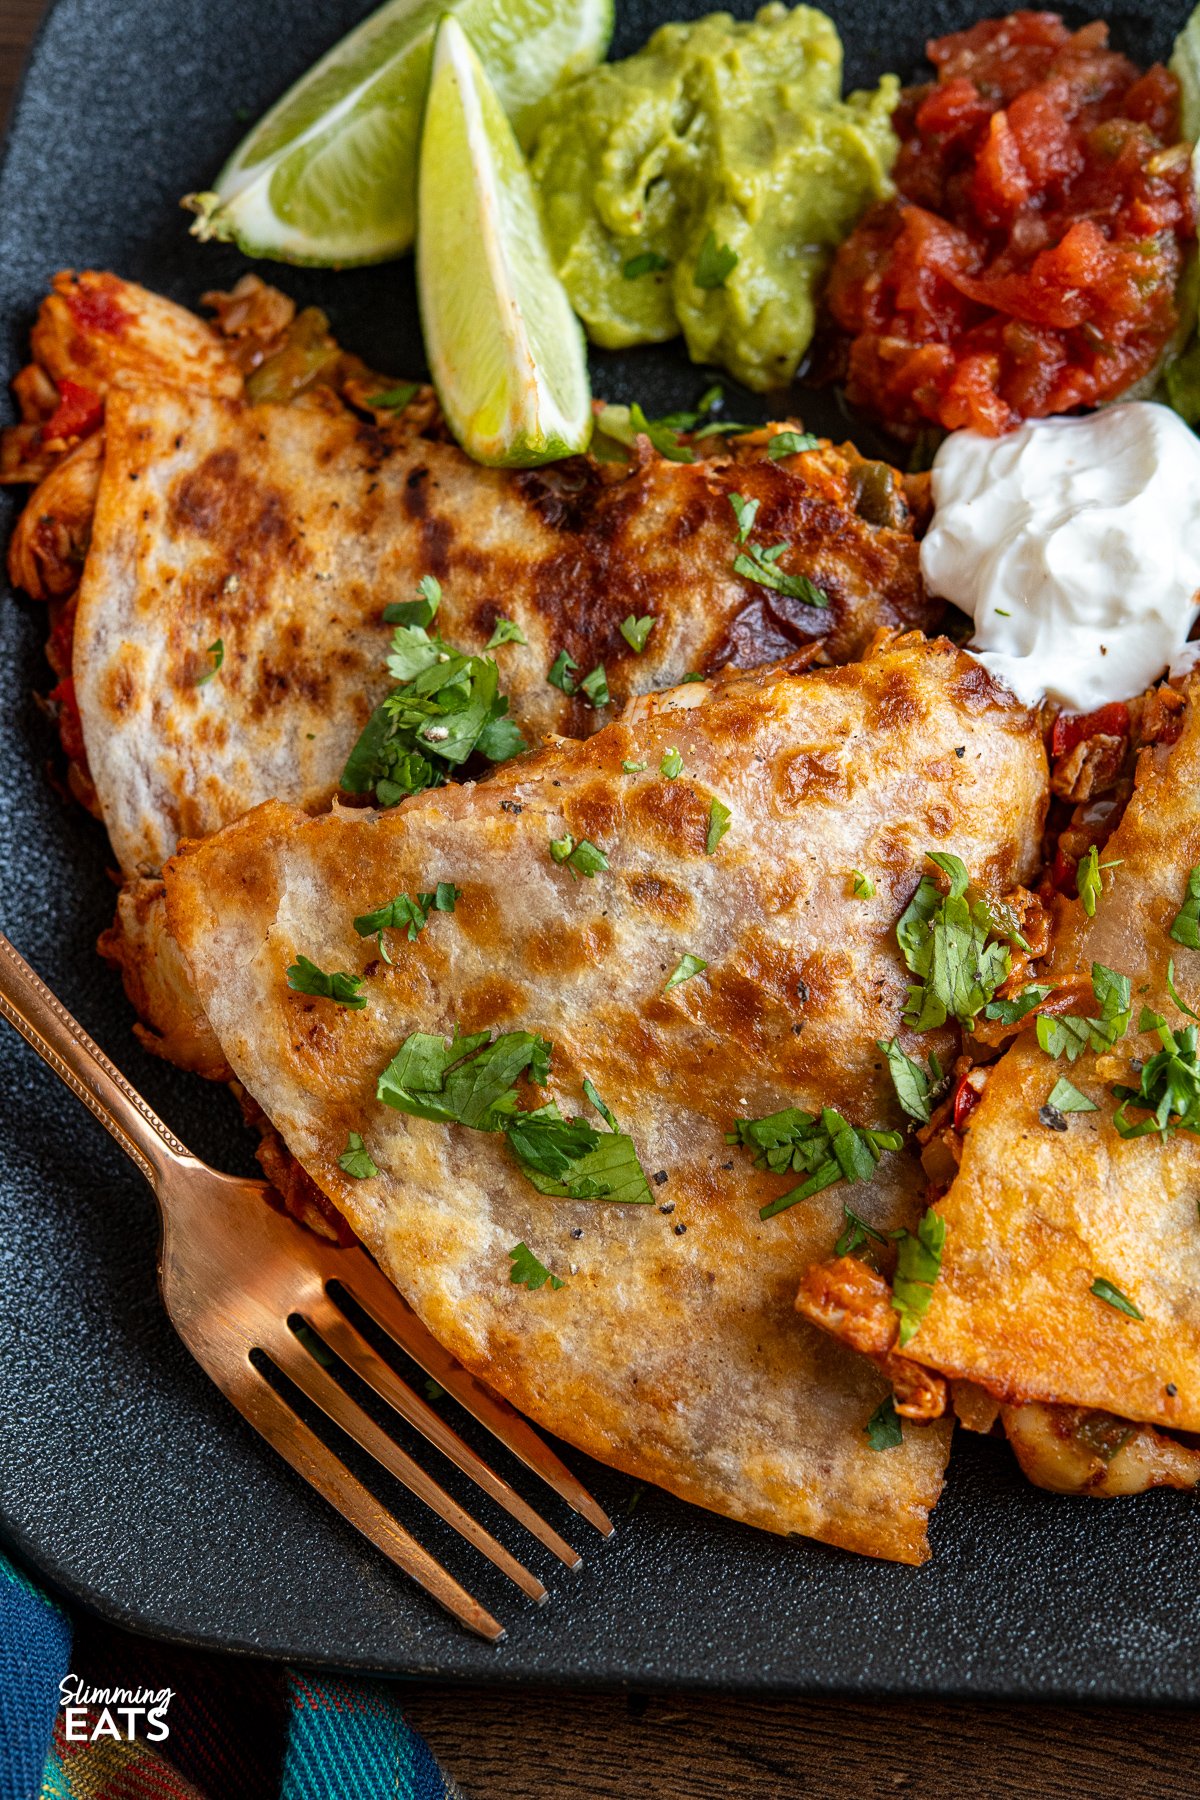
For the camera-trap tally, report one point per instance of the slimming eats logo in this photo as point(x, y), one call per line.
point(142, 1712)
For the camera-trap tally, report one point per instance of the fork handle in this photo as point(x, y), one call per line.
point(44, 1022)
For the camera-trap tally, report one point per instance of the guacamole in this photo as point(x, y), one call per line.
point(719, 141)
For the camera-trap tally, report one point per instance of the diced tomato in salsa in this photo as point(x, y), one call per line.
point(78, 413)
point(1070, 729)
point(1029, 262)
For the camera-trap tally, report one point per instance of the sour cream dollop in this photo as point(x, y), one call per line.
point(1074, 545)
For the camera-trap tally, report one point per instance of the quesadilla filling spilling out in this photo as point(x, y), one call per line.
point(748, 1034)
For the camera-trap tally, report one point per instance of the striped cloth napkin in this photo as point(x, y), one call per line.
point(230, 1729)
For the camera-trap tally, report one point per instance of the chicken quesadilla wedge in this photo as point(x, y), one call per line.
point(1069, 1285)
point(660, 926)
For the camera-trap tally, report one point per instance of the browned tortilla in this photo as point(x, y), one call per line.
point(1037, 1215)
point(672, 1349)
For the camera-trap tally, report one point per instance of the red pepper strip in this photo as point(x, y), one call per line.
point(78, 414)
point(966, 1099)
point(1071, 728)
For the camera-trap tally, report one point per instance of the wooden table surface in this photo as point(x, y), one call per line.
point(553, 1746)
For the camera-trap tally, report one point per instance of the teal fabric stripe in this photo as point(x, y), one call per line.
point(35, 1654)
point(348, 1740)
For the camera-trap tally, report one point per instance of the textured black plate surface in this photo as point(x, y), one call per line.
point(124, 1477)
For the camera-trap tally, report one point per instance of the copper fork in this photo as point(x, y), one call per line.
point(233, 1272)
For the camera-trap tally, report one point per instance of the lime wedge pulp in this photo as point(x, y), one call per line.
point(329, 175)
point(505, 350)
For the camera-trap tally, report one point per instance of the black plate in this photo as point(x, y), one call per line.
point(124, 1477)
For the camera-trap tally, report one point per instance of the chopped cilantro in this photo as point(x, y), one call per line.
point(633, 768)
point(756, 563)
point(719, 817)
point(216, 657)
point(528, 1272)
point(506, 631)
point(856, 1234)
point(624, 424)
point(595, 686)
point(685, 968)
point(1112, 1296)
point(393, 399)
point(915, 1090)
point(918, 1264)
point(648, 262)
point(1180, 1002)
point(404, 914)
point(715, 263)
point(1185, 927)
point(883, 1427)
point(692, 675)
point(304, 977)
point(356, 1159)
point(864, 887)
point(1065, 1097)
point(790, 443)
point(1012, 1010)
point(635, 631)
point(1089, 880)
point(582, 857)
point(944, 939)
point(416, 612)
point(1071, 1035)
point(821, 1145)
point(1168, 1084)
point(672, 764)
point(446, 708)
point(562, 672)
point(745, 512)
point(470, 1082)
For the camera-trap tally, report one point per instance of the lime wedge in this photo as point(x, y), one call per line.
point(505, 350)
point(329, 175)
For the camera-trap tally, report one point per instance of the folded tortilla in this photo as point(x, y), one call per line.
point(282, 532)
point(671, 1349)
point(1037, 1215)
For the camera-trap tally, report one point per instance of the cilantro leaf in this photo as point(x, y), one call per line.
point(393, 399)
point(1089, 881)
point(915, 1090)
point(582, 858)
point(1065, 1097)
point(1112, 1296)
point(864, 887)
point(918, 1265)
point(756, 564)
point(635, 631)
point(883, 1427)
point(216, 657)
point(745, 512)
point(1175, 994)
point(528, 1272)
point(1168, 1086)
point(856, 1234)
point(631, 767)
point(506, 631)
point(671, 765)
point(595, 686)
point(790, 443)
point(562, 672)
point(823, 1146)
point(1012, 1010)
point(687, 966)
point(648, 262)
point(420, 612)
point(1185, 927)
point(404, 914)
point(304, 977)
point(715, 263)
point(719, 817)
point(945, 942)
point(1070, 1035)
point(356, 1159)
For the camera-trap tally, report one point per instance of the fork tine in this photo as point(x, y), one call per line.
point(374, 1293)
point(354, 1350)
point(320, 1387)
point(315, 1463)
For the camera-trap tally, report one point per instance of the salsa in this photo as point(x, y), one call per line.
point(1029, 261)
